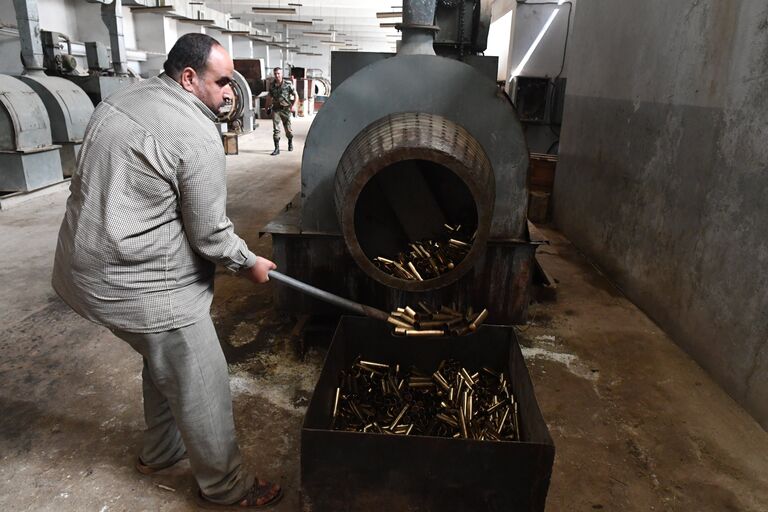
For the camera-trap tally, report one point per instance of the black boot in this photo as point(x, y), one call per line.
point(290, 144)
point(277, 148)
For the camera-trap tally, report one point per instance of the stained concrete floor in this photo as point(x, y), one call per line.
point(637, 424)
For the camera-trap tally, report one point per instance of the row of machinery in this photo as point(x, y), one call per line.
point(44, 112)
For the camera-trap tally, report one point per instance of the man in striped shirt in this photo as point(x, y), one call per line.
point(144, 228)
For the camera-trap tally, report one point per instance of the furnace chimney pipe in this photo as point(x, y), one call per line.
point(112, 16)
point(418, 27)
point(28, 20)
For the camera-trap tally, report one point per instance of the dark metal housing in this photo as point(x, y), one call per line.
point(351, 471)
point(404, 146)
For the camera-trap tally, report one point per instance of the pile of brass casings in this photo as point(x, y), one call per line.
point(451, 402)
point(429, 321)
point(428, 259)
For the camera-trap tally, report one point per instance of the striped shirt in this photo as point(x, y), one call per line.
point(146, 221)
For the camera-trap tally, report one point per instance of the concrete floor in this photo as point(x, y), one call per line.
point(637, 424)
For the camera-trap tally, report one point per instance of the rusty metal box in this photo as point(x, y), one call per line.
point(356, 472)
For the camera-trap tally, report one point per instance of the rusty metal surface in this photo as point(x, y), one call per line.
point(404, 138)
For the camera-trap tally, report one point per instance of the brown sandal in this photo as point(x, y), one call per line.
point(261, 495)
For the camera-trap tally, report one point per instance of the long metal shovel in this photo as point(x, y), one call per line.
point(347, 304)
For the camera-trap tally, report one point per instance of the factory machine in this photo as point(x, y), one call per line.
point(28, 158)
point(68, 97)
point(35, 159)
point(103, 77)
point(237, 117)
point(413, 196)
point(406, 147)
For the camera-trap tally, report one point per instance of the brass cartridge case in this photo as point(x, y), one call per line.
point(449, 311)
point(441, 381)
point(467, 377)
point(503, 420)
point(376, 365)
point(515, 420)
point(447, 420)
point(495, 407)
point(432, 324)
point(400, 416)
point(398, 323)
point(421, 334)
point(425, 307)
point(479, 319)
point(336, 403)
point(463, 424)
point(414, 271)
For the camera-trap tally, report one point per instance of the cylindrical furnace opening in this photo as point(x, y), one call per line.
point(414, 195)
point(415, 213)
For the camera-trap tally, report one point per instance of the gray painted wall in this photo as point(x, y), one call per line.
point(663, 173)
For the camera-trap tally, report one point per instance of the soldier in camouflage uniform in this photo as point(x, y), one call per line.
point(284, 99)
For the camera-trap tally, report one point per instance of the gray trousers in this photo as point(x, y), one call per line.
point(188, 407)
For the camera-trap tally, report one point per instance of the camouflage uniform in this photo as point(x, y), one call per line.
point(283, 96)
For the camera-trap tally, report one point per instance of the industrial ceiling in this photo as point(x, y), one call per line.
point(365, 25)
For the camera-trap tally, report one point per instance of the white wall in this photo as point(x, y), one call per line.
point(150, 32)
point(10, 49)
point(242, 48)
point(225, 40)
point(129, 30)
point(546, 60)
point(90, 27)
point(276, 57)
point(261, 51)
point(61, 16)
point(499, 37)
point(311, 61)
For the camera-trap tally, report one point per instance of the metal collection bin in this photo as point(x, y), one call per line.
point(350, 471)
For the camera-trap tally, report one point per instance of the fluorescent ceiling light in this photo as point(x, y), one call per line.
point(535, 43)
point(294, 22)
point(265, 9)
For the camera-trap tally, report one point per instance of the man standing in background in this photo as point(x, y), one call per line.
point(284, 100)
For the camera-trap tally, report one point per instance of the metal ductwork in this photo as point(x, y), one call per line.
point(418, 28)
point(403, 147)
point(112, 15)
point(28, 21)
point(67, 106)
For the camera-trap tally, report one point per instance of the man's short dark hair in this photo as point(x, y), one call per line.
point(190, 51)
point(277, 69)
